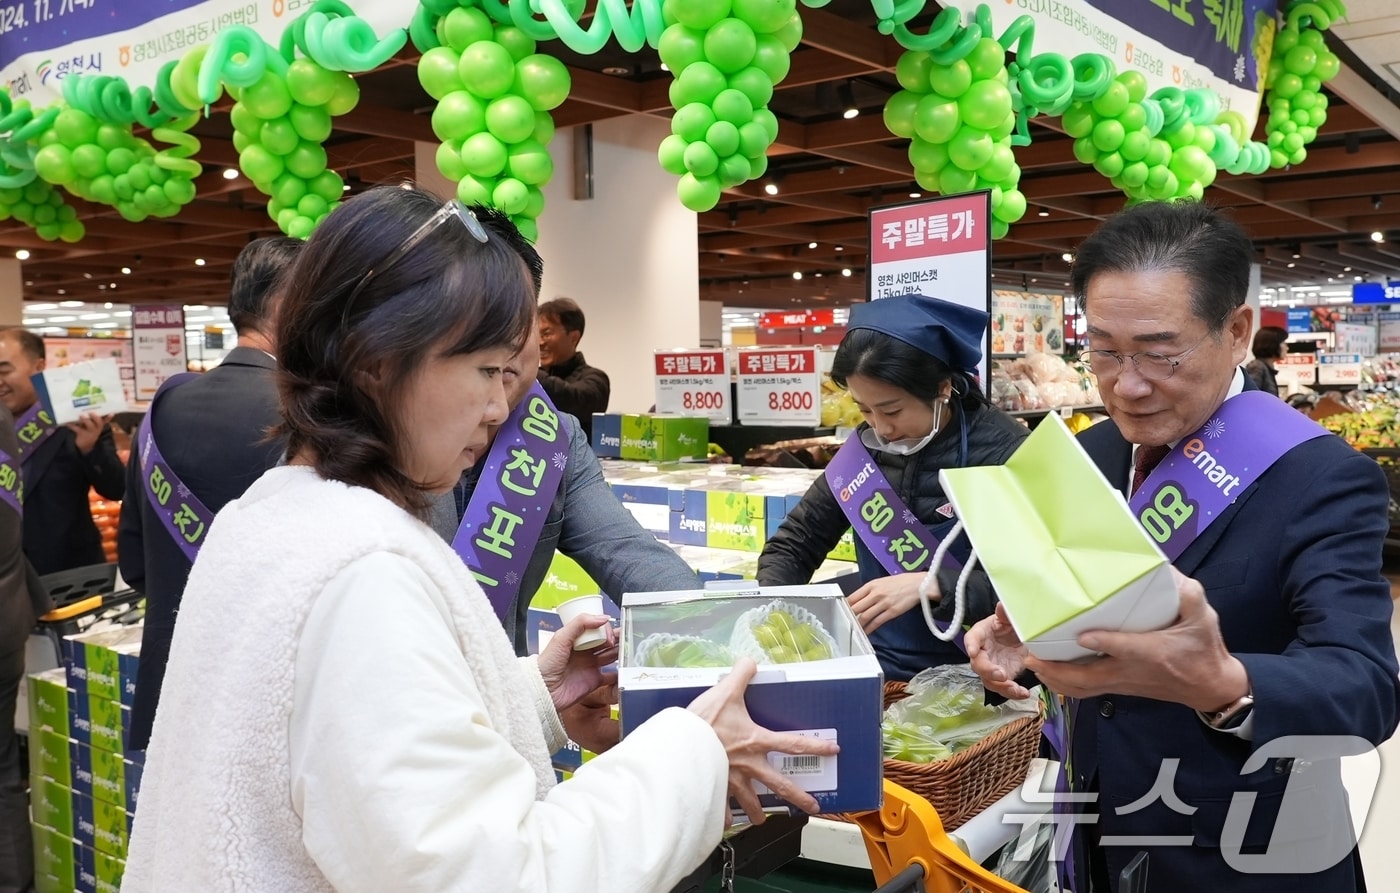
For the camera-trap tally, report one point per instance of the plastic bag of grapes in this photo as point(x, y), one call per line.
point(944, 713)
point(781, 633)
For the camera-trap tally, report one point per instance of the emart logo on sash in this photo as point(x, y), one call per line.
point(851, 489)
point(1195, 450)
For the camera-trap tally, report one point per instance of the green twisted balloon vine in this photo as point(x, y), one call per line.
point(963, 108)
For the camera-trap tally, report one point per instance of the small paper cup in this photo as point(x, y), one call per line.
point(584, 604)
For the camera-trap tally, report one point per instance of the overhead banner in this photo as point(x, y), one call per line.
point(1223, 45)
point(44, 41)
point(941, 248)
point(1027, 322)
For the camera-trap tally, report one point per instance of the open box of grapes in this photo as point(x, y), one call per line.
point(818, 674)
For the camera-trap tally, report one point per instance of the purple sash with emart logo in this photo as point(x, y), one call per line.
point(1208, 470)
point(33, 428)
point(513, 495)
point(181, 513)
point(899, 541)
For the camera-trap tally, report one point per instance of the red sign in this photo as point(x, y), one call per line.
point(799, 319)
point(772, 362)
point(949, 225)
point(690, 363)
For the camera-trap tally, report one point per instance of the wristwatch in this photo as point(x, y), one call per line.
point(1230, 717)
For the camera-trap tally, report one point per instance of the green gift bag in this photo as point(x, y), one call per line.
point(1060, 545)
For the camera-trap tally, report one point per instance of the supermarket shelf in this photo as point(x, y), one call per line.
point(1042, 413)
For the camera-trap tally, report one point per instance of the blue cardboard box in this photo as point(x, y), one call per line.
point(133, 782)
point(838, 698)
point(689, 510)
point(86, 870)
point(607, 435)
point(82, 768)
point(84, 823)
point(128, 663)
point(650, 504)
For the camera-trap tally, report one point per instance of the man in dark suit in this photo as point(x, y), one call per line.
point(21, 599)
point(59, 532)
point(212, 433)
point(1212, 744)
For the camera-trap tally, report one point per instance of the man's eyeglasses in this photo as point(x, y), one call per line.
point(453, 210)
point(1149, 364)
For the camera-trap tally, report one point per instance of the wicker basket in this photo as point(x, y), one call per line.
point(969, 781)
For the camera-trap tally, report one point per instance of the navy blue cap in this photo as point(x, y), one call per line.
point(947, 331)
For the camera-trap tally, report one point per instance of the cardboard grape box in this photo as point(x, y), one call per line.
point(817, 675)
point(665, 438)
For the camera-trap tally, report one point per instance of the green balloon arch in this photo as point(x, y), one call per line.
point(965, 101)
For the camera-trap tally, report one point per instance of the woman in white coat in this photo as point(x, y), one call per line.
point(342, 710)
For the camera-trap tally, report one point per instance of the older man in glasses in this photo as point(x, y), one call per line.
point(1212, 744)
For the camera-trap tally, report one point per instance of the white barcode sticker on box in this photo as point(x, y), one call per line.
point(810, 771)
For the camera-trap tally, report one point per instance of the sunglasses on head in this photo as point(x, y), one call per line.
point(452, 210)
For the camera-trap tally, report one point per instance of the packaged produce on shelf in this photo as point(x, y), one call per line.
point(1042, 381)
point(943, 714)
point(1371, 430)
point(838, 406)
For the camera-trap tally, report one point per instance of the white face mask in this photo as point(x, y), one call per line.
point(909, 445)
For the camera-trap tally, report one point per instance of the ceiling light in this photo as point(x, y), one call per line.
point(108, 305)
point(1346, 269)
point(771, 187)
point(840, 247)
point(1291, 265)
point(818, 275)
point(1376, 202)
point(112, 285)
point(126, 271)
point(230, 173)
point(1356, 278)
point(1296, 255)
point(1043, 212)
point(22, 254)
point(811, 244)
point(32, 321)
point(845, 271)
point(92, 316)
point(1067, 257)
point(64, 291)
point(848, 101)
point(42, 307)
point(87, 275)
point(345, 188)
point(199, 261)
point(916, 195)
point(1376, 236)
point(62, 318)
point(617, 70)
point(665, 67)
point(797, 274)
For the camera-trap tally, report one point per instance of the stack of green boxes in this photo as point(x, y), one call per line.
point(83, 783)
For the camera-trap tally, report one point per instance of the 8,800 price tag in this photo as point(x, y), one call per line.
point(694, 382)
point(779, 387)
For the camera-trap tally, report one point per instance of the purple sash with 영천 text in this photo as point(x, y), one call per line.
point(34, 427)
point(11, 483)
point(879, 518)
point(513, 495)
point(1208, 470)
point(181, 513)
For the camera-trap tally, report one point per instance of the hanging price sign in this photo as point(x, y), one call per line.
point(1338, 368)
point(779, 387)
point(694, 382)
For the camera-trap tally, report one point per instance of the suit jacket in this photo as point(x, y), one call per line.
point(211, 432)
point(1293, 569)
point(589, 525)
point(21, 596)
point(59, 532)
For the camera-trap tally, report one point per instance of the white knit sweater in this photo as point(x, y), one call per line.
point(343, 712)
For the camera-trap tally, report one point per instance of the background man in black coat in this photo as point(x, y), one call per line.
point(59, 532)
point(211, 431)
point(575, 387)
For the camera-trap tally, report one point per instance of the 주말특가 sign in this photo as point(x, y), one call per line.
point(941, 248)
point(779, 387)
point(694, 382)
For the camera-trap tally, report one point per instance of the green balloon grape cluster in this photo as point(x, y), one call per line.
point(1299, 66)
point(786, 640)
point(726, 56)
point(683, 651)
point(40, 206)
point(107, 163)
point(959, 118)
point(279, 124)
point(494, 95)
point(1170, 145)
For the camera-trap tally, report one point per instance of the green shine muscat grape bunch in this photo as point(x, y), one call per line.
point(494, 95)
point(787, 640)
point(726, 56)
